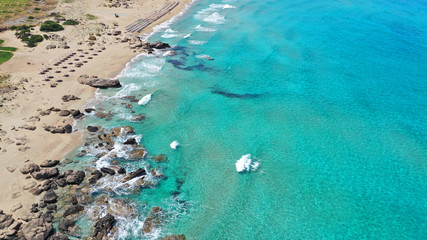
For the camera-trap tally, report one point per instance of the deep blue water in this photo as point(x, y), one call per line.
point(330, 97)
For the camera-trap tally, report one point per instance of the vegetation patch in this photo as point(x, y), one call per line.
point(11, 49)
point(91, 17)
point(23, 32)
point(70, 22)
point(5, 56)
point(51, 26)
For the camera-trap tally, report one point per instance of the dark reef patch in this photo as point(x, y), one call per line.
point(236, 95)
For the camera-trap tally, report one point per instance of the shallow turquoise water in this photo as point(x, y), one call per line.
point(329, 97)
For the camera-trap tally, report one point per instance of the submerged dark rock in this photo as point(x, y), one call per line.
point(175, 237)
point(235, 95)
point(73, 209)
point(65, 225)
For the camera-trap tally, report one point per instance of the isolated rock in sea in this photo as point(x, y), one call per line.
point(131, 141)
point(92, 128)
point(45, 173)
point(98, 82)
point(103, 226)
point(37, 229)
point(74, 177)
point(134, 174)
point(175, 237)
point(121, 171)
point(49, 163)
point(50, 197)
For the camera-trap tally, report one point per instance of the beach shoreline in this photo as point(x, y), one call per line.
point(33, 103)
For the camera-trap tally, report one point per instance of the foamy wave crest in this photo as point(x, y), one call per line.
point(197, 42)
point(126, 90)
point(170, 31)
point(166, 35)
point(199, 28)
point(215, 18)
point(223, 6)
point(245, 164)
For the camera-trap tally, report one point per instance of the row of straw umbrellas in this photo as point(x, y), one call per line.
point(74, 59)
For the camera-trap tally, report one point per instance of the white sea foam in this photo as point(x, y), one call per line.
point(187, 36)
point(199, 28)
point(174, 144)
point(197, 42)
point(127, 89)
point(145, 99)
point(245, 164)
point(215, 18)
point(170, 31)
point(166, 35)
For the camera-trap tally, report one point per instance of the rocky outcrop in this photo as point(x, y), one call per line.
point(74, 177)
point(58, 236)
point(94, 81)
point(65, 225)
point(65, 129)
point(67, 98)
point(45, 173)
point(37, 229)
point(103, 226)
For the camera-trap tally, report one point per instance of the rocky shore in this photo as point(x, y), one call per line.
point(43, 96)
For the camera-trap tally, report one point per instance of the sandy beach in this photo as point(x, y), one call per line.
point(33, 100)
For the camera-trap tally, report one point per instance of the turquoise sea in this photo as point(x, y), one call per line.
point(329, 97)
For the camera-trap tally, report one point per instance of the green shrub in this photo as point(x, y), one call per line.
point(31, 17)
point(37, 9)
point(46, 36)
point(70, 22)
point(1, 42)
point(51, 26)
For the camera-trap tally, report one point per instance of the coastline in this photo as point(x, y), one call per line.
point(20, 143)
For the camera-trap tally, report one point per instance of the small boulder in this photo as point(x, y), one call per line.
point(49, 163)
point(50, 197)
point(108, 171)
point(29, 168)
point(134, 174)
point(75, 177)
